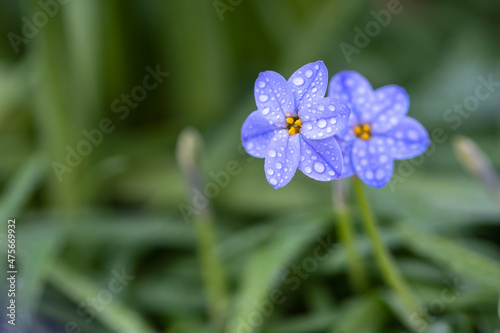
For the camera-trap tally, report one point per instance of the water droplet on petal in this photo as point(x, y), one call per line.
point(309, 73)
point(298, 81)
point(270, 172)
point(308, 169)
point(263, 98)
point(272, 153)
point(322, 123)
point(261, 84)
point(380, 174)
point(273, 181)
point(265, 111)
point(413, 135)
point(319, 167)
point(278, 165)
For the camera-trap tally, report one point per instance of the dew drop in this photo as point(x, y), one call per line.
point(298, 81)
point(309, 73)
point(319, 167)
point(308, 169)
point(261, 84)
point(412, 135)
point(273, 181)
point(322, 123)
point(278, 165)
point(272, 153)
point(265, 111)
point(263, 98)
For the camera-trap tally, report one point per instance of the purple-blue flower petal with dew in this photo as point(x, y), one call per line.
point(353, 89)
point(372, 161)
point(322, 118)
point(309, 82)
point(274, 98)
point(346, 148)
point(256, 134)
point(282, 158)
point(407, 139)
point(347, 134)
point(320, 159)
point(390, 106)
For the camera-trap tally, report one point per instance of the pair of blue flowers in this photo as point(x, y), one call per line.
point(355, 130)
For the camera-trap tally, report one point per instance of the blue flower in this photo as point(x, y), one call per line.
point(294, 126)
point(378, 131)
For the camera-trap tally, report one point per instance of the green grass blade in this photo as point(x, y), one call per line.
point(115, 315)
point(456, 257)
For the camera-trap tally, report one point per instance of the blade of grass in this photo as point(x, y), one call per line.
point(454, 256)
point(19, 190)
point(115, 315)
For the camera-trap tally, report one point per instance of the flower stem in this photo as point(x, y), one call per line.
point(355, 267)
point(387, 267)
point(212, 270)
point(189, 154)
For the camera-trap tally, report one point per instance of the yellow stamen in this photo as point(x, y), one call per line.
point(363, 131)
point(289, 120)
point(292, 131)
point(357, 130)
point(298, 122)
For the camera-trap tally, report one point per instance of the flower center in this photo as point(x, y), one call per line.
point(294, 125)
point(363, 131)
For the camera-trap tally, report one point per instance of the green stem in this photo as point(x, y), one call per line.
point(386, 264)
point(189, 156)
point(355, 267)
point(212, 270)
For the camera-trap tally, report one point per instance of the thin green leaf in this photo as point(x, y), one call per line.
point(115, 315)
point(451, 254)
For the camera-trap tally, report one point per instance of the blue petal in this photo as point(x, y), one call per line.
point(309, 82)
point(346, 149)
point(390, 106)
point(256, 134)
point(320, 159)
point(274, 98)
point(282, 158)
point(407, 139)
point(347, 134)
point(322, 118)
point(352, 88)
point(372, 161)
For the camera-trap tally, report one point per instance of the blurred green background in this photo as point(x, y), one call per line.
point(67, 66)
